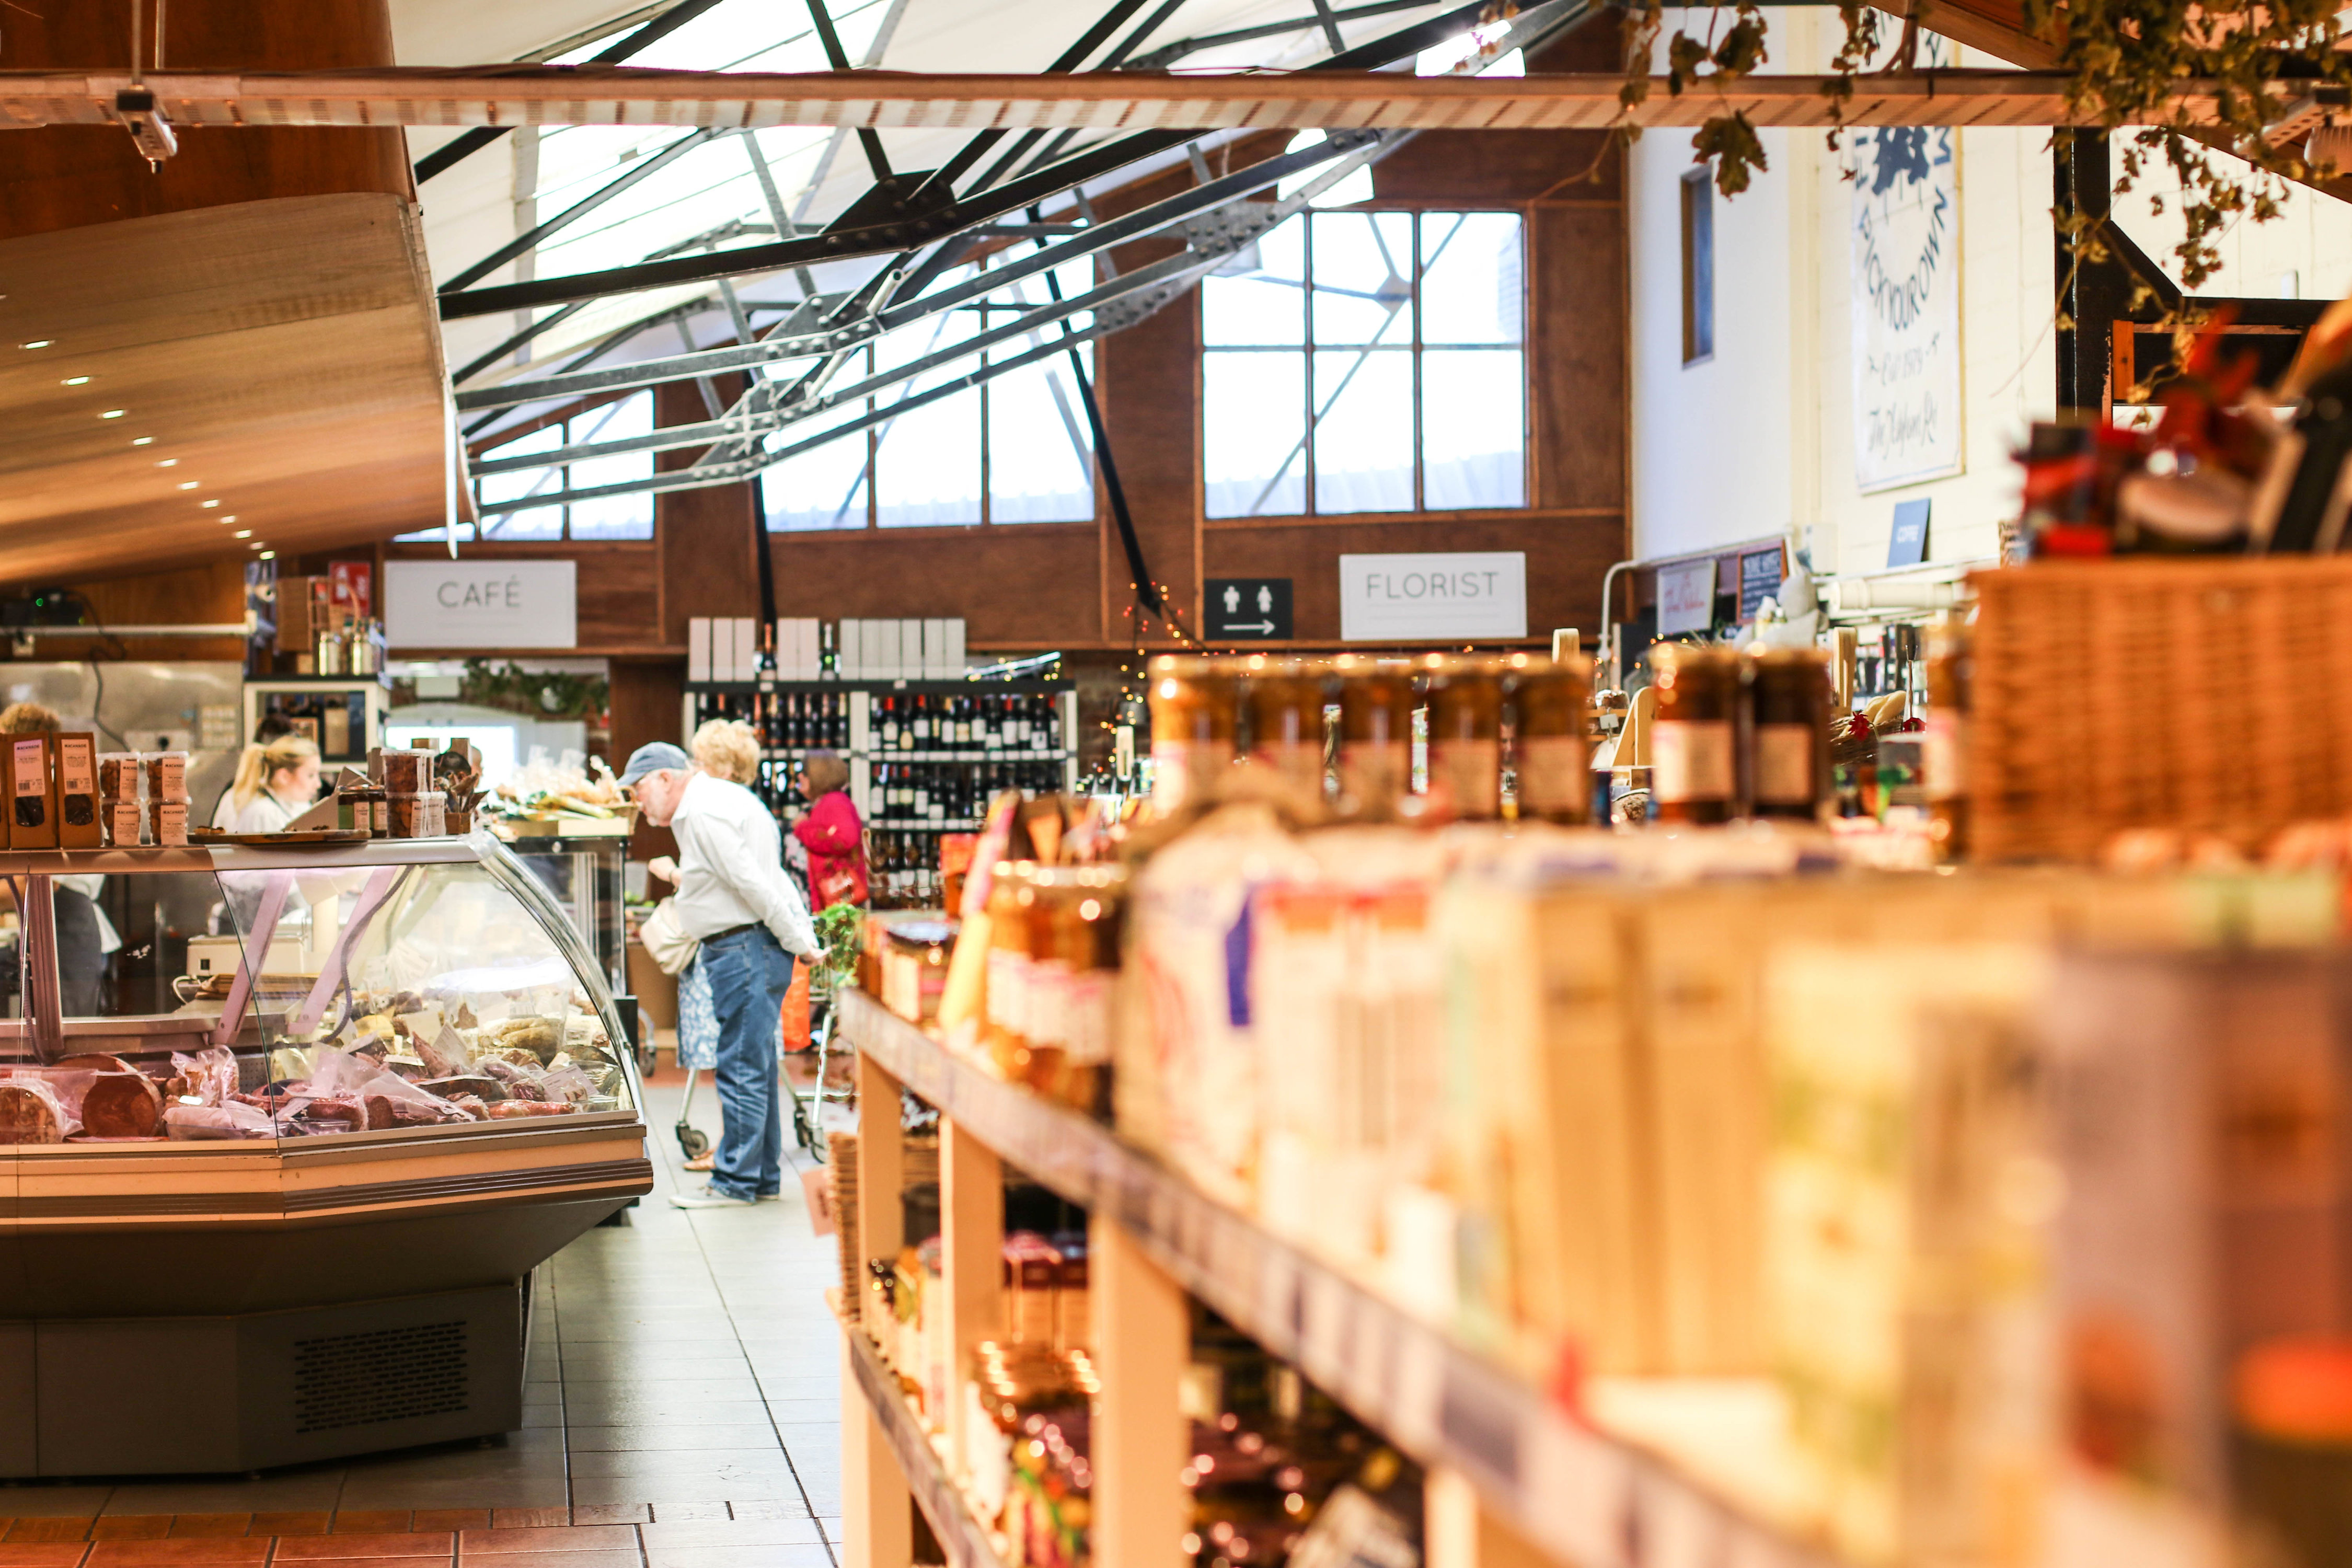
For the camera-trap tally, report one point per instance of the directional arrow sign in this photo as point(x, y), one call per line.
point(1246, 609)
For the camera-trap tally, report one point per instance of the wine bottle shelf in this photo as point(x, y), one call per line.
point(1581, 1495)
point(960, 1535)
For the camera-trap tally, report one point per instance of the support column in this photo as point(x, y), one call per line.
point(1143, 1338)
point(1460, 1531)
point(878, 1518)
point(971, 1257)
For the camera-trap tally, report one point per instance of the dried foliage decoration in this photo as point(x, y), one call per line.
point(2264, 63)
point(2261, 66)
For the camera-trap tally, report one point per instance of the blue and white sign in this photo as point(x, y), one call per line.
point(1450, 597)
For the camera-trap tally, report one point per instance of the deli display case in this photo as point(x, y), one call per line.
point(283, 1206)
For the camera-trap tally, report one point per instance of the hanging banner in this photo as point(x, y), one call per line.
point(1907, 305)
point(481, 602)
point(1442, 597)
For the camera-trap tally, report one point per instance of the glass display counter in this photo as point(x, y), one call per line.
point(291, 1215)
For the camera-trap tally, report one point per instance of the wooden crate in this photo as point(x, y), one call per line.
point(2209, 695)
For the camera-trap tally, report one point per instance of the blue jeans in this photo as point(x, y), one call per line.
point(748, 976)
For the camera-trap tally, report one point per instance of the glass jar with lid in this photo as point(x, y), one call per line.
point(1551, 749)
point(1465, 734)
point(1692, 774)
point(1195, 701)
point(1785, 773)
point(1376, 706)
point(1286, 719)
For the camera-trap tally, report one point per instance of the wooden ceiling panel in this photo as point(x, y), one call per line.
point(282, 355)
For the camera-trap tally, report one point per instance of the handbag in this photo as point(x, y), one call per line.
point(847, 883)
point(665, 940)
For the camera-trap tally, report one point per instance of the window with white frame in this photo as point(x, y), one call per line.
point(625, 516)
point(912, 454)
point(1368, 361)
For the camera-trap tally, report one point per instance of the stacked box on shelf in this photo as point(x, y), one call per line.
point(2202, 1111)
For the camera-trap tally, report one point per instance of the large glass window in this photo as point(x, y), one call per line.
point(629, 516)
point(1367, 362)
point(1015, 448)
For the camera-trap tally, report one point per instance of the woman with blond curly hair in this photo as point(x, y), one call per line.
point(725, 749)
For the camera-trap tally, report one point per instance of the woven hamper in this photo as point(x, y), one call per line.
point(2209, 695)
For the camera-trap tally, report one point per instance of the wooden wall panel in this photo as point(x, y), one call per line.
point(1578, 394)
point(1028, 587)
point(68, 176)
point(707, 565)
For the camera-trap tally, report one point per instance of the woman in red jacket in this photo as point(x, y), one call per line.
point(832, 833)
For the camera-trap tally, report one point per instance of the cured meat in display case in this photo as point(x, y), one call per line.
point(272, 1182)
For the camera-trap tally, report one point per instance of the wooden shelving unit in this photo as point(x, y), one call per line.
point(1516, 1481)
point(934, 1491)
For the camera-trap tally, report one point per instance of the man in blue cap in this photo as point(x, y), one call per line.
point(734, 896)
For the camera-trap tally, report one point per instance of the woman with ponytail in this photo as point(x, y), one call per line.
point(276, 782)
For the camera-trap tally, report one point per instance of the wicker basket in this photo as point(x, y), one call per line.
point(2209, 695)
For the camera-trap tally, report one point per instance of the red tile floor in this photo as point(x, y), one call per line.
point(681, 1410)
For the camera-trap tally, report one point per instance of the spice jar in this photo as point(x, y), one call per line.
point(1193, 704)
point(1375, 735)
point(1786, 766)
point(1551, 699)
point(1692, 776)
point(1465, 735)
point(1952, 669)
point(1286, 710)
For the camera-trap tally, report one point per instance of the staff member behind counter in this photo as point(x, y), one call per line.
point(85, 936)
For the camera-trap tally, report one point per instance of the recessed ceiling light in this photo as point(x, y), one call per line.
point(75, 381)
point(269, 555)
point(230, 518)
point(189, 484)
point(208, 503)
point(36, 343)
point(255, 545)
point(146, 441)
point(114, 414)
point(161, 462)
point(245, 533)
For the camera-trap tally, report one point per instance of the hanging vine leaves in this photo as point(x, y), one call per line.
point(2256, 63)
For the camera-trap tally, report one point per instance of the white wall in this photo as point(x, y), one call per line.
point(1760, 440)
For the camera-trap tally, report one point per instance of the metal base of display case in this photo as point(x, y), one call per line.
point(127, 1396)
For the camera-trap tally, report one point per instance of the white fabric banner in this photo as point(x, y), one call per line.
point(1907, 305)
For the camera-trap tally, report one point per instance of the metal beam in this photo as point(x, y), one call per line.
point(1140, 223)
point(638, 172)
point(1116, 304)
point(451, 153)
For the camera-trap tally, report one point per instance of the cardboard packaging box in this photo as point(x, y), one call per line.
point(30, 781)
point(77, 793)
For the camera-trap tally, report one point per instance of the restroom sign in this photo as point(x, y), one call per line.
point(1248, 609)
point(1441, 597)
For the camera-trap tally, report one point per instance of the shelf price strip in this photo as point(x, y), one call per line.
point(1583, 1497)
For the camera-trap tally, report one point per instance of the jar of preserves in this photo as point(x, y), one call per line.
point(1951, 675)
point(1551, 749)
point(1785, 772)
point(1195, 701)
point(1465, 735)
point(1375, 735)
point(1285, 713)
point(1692, 775)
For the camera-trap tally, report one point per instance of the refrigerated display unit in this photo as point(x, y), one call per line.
point(292, 1214)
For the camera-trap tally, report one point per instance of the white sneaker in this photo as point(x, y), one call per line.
point(707, 1197)
point(772, 1197)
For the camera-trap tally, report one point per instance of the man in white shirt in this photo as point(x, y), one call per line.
point(734, 896)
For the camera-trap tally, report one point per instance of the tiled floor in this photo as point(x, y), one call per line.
point(684, 1402)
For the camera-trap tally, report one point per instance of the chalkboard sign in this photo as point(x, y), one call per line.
point(1760, 579)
